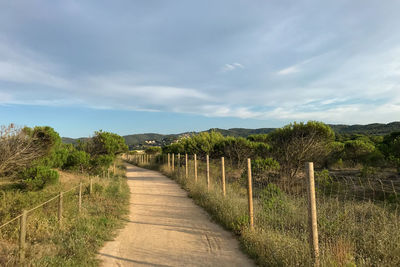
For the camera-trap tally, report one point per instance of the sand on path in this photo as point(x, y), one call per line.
point(165, 228)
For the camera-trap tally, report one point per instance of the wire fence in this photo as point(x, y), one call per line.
point(21, 232)
point(356, 216)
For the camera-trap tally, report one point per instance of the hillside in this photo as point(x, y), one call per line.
point(371, 129)
point(138, 140)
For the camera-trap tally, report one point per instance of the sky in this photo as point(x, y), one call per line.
point(175, 66)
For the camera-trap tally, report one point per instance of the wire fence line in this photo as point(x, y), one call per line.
point(354, 219)
point(22, 231)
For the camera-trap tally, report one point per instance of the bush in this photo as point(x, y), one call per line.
point(271, 197)
point(153, 150)
point(36, 178)
point(77, 160)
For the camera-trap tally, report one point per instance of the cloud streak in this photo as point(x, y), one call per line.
point(284, 62)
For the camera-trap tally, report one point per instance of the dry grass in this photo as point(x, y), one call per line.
point(76, 241)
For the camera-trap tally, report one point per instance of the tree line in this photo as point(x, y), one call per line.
point(285, 150)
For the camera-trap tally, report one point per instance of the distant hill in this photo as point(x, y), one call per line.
point(371, 129)
point(67, 140)
point(139, 140)
point(241, 132)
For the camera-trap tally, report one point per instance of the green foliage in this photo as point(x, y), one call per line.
point(264, 164)
point(367, 172)
point(236, 150)
point(358, 150)
point(262, 138)
point(174, 148)
point(153, 150)
point(271, 197)
point(202, 143)
point(390, 147)
point(35, 178)
point(46, 137)
point(77, 160)
point(107, 143)
point(99, 162)
point(297, 143)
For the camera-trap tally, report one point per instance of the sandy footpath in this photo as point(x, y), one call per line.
point(165, 228)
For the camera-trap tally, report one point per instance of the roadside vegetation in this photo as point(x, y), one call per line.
point(357, 181)
point(52, 168)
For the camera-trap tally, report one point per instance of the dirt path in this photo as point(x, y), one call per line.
point(165, 228)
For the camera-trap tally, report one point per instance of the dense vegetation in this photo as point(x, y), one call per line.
point(36, 166)
point(295, 144)
point(30, 155)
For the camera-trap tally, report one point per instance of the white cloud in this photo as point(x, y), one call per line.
point(20, 65)
point(289, 70)
point(232, 66)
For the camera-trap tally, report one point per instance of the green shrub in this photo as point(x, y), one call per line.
point(77, 160)
point(367, 171)
point(36, 178)
point(271, 197)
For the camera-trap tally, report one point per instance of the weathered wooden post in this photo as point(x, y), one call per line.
point(108, 173)
point(250, 193)
point(312, 212)
point(114, 169)
point(173, 162)
point(223, 175)
point(195, 168)
point(208, 172)
point(60, 208)
point(91, 186)
point(22, 237)
point(169, 161)
point(179, 164)
point(4, 199)
point(80, 198)
point(186, 166)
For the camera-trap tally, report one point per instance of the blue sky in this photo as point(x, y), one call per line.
point(174, 66)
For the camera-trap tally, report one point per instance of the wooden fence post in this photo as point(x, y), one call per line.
point(179, 164)
point(250, 193)
point(114, 169)
point(22, 237)
point(195, 168)
point(169, 161)
point(80, 197)
point(312, 212)
point(223, 175)
point(4, 199)
point(208, 172)
point(90, 185)
point(60, 208)
point(108, 173)
point(173, 162)
point(186, 166)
